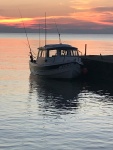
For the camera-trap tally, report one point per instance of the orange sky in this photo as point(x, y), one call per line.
point(69, 14)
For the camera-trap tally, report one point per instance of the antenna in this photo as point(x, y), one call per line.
point(39, 34)
point(58, 32)
point(25, 31)
point(45, 29)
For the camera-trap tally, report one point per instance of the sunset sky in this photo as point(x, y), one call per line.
point(71, 16)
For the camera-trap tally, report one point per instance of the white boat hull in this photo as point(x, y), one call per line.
point(66, 71)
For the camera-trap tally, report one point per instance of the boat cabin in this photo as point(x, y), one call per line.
point(57, 50)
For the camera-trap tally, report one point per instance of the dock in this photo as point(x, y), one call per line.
point(99, 66)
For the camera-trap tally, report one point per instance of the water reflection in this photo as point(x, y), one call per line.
point(102, 88)
point(67, 96)
point(56, 94)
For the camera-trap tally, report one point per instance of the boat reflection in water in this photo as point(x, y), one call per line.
point(55, 94)
point(63, 96)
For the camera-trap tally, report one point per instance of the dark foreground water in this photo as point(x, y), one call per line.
point(44, 114)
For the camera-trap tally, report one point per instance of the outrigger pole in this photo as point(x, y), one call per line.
point(25, 32)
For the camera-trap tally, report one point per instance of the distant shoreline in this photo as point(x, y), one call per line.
point(52, 33)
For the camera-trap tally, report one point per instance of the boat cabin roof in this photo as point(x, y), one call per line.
point(57, 46)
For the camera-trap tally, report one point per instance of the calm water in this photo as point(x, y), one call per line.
point(38, 114)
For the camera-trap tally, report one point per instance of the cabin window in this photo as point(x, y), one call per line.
point(64, 52)
point(52, 53)
point(41, 54)
point(74, 53)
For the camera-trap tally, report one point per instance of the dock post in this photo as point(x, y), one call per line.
point(85, 49)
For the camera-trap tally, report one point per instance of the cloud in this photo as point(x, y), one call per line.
point(102, 9)
point(69, 25)
point(102, 15)
point(79, 16)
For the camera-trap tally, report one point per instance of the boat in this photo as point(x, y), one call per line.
point(56, 61)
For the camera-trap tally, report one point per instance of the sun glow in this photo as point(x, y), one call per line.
point(29, 22)
point(14, 21)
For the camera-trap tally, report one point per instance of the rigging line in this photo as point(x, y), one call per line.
point(25, 30)
point(28, 46)
point(58, 32)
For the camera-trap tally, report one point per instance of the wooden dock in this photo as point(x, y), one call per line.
point(99, 66)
